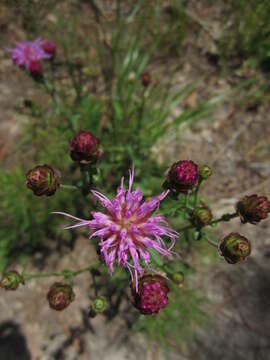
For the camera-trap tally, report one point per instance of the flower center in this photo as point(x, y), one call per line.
point(125, 223)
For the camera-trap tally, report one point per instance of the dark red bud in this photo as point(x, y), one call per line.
point(35, 69)
point(146, 79)
point(85, 148)
point(49, 47)
point(152, 294)
point(182, 177)
point(60, 296)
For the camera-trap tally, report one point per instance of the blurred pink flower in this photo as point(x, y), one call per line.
point(28, 52)
point(128, 230)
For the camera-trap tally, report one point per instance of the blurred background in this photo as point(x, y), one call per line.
point(207, 100)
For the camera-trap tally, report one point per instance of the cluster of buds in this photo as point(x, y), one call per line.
point(60, 296)
point(43, 180)
point(184, 176)
point(251, 209)
point(152, 294)
point(11, 280)
point(85, 148)
point(28, 54)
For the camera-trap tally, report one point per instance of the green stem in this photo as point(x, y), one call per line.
point(95, 285)
point(140, 114)
point(40, 275)
point(211, 242)
point(186, 200)
point(69, 187)
point(87, 178)
point(225, 217)
point(187, 228)
point(61, 273)
point(196, 193)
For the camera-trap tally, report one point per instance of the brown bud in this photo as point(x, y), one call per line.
point(234, 248)
point(252, 209)
point(43, 180)
point(60, 296)
point(201, 216)
point(146, 79)
point(11, 280)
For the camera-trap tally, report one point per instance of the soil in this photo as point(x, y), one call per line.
point(235, 143)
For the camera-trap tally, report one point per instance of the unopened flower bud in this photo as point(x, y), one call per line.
point(234, 248)
point(35, 69)
point(98, 306)
point(43, 180)
point(204, 172)
point(146, 79)
point(49, 48)
point(152, 294)
point(85, 148)
point(182, 177)
point(201, 216)
point(11, 280)
point(178, 278)
point(252, 209)
point(60, 296)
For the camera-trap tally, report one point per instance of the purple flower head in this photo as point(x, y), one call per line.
point(27, 52)
point(127, 230)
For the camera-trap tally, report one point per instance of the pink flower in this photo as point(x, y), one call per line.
point(27, 52)
point(127, 231)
